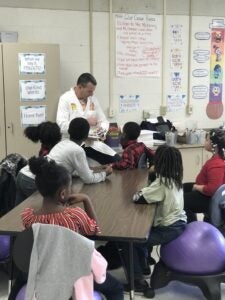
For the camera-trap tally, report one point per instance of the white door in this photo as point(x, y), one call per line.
point(39, 68)
point(2, 113)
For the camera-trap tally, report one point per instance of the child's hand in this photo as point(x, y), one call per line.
point(77, 198)
point(101, 132)
point(152, 169)
point(108, 169)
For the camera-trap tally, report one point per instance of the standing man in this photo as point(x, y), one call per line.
point(80, 101)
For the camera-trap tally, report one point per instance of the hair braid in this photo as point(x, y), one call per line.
point(168, 166)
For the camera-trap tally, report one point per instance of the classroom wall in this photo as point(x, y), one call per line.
point(67, 23)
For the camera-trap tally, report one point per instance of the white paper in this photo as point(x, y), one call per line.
point(32, 90)
point(129, 103)
point(31, 63)
point(32, 115)
point(138, 45)
point(176, 102)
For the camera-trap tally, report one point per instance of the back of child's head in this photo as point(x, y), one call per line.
point(48, 133)
point(217, 137)
point(131, 130)
point(49, 175)
point(79, 129)
point(169, 166)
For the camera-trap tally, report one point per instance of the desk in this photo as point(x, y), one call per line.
point(119, 218)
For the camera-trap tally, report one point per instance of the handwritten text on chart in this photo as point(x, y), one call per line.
point(138, 45)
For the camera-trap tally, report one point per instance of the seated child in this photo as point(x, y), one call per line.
point(132, 150)
point(71, 155)
point(198, 194)
point(53, 181)
point(48, 133)
point(167, 194)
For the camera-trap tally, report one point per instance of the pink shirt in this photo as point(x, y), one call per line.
point(83, 287)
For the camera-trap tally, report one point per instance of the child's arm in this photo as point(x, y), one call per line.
point(88, 207)
point(138, 198)
point(107, 168)
point(151, 174)
point(153, 193)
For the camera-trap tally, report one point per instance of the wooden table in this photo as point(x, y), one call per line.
point(119, 218)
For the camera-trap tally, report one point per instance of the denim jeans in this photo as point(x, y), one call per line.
point(25, 186)
point(158, 236)
point(194, 202)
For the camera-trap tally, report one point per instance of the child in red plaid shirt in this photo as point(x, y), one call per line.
point(132, 149)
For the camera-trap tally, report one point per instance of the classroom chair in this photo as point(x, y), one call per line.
point(217, 207)
point(23, 256)
point(196, 257)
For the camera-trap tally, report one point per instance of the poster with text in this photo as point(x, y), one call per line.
point(129, 103)
point(138, 45)
point(32, 90)
point(31, 63)
point(32, 115)
point(176, 102)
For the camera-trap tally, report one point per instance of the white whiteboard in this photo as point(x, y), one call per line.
point(138, 45)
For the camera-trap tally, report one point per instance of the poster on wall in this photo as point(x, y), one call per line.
point(176, 102)
point(214, 107)
point(32, 90)
point(138, 45)
point(129, 103)
point(177, 48)
point(32, 115)
point(31, 63)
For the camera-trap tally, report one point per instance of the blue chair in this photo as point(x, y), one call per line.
point(217, 206)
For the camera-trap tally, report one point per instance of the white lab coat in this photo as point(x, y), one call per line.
point(69, 107)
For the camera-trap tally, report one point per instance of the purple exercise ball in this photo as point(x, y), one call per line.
point(199, 250)
point(97, 296)
point(21, 294)
point(4, 246)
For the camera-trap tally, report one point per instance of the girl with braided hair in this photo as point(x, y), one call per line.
point(197, 195)
point(170, 219)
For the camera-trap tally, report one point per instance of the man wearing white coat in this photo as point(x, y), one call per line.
point(80, 101)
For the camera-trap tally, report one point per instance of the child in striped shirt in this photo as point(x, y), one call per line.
point(53, 181)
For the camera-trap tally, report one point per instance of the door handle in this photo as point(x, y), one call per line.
point(10, 127)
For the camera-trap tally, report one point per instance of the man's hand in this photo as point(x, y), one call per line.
point(92, 121)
